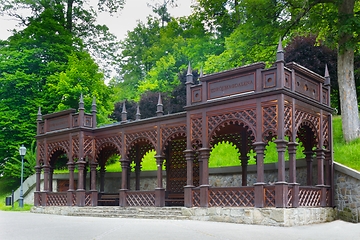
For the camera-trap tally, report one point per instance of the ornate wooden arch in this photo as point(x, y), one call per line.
point(303, 134)
point(227, 124)
point(105, 151)
point(170, 133)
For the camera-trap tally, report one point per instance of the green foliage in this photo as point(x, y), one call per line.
point(345, 153)
point(12, 168)
point(224, 154)
point(148, 162)
point(81, 76)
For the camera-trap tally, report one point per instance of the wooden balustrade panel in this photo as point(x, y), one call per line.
point(232, 197)
point(140, 198)
point(196, 197)
point(269, 196)
point(56, 199)
point(309, 196)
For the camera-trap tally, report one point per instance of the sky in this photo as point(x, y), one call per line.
point(125, 21)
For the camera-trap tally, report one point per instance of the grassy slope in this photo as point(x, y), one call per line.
point(347, 154)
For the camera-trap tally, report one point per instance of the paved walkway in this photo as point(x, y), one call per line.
point(25, 225)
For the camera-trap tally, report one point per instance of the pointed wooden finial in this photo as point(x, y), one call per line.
point(93, 105)
point(123, 113)
point(327, 76)
point(280, 52)
point(81, 102)
point(189, 71)
point(201, 75)
point(189, 76)
point(39, 115)
point(138, 115)
point(160, 109)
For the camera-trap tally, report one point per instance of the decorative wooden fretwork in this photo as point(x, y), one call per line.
point(328, 192)
point(307, 135)
point(140, 198)
point(176, 166)
point(107, 141)
point(196, 131)
point(87, 199)
point(74, 199)
point(169, 133)
point(288, 118)
point(39, 199)
point(233, 197)
point(246, 116)
point(41, 150)
point(269, 118)
point(308, 119)
point(196, 197)
point(89, 146)
point(269, 196)
point(60, 145)
point(133, 138)
point(325, 133)
point(196, 170)
point(56, 199)
point(290, 197)
point(309, 196)
point(137, 152)
point(235, 132)
point(75, 146)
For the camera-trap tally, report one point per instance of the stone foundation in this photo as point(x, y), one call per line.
point(285, 217)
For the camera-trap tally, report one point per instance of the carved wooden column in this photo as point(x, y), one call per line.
point(189, 156)
point(204, 187)
point(80, 192)
point(320, 156)
point(328, 164)
point(309, 167)
point(102, 178)
point(94, 193)
point(51, 174)
point(259, 185)
point(46, 185)
point(71, 190)
point(137, 168)
point(37, 196)
point(124, 184)
point(159, 190)
point(281, 186)
point(292, 146)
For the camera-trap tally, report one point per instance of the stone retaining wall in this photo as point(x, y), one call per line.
point(347, 193)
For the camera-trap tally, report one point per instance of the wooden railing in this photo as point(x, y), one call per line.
point(232, 197)
point(140, 198)
point(56, 199)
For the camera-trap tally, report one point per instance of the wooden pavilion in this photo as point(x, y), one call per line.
point(247, 106)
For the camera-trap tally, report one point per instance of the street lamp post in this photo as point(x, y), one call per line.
point(22, 151)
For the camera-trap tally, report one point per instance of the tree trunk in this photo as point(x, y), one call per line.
point(347, 91)
point(69, 12)
point(347, 87)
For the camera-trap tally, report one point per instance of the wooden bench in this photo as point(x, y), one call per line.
point(174, 199)
point(108, 199)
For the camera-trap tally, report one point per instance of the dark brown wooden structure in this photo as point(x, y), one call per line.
point(247, 106)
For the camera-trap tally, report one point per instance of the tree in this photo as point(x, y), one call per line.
point(12, 168)
point(82, 76)
point(78, 18)
point(308, 52)
point(336, 22)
